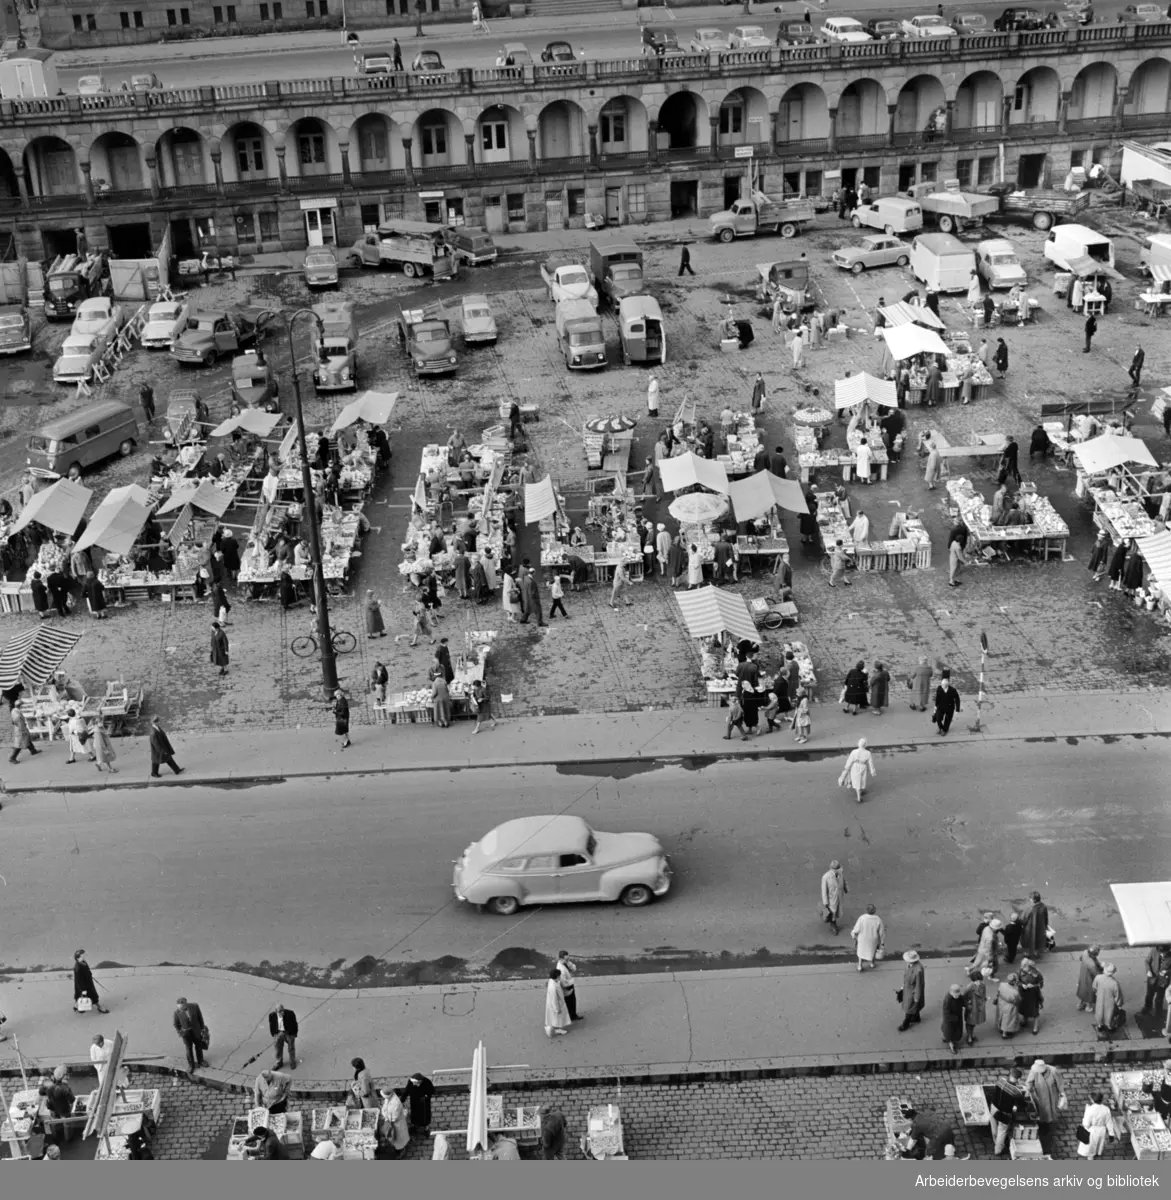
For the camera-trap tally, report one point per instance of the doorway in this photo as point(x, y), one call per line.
point(613, 206)
point(553, 211)
point(182, 240)
point(731, 190)
point(493, 215)
point(849, 177)
point(319, 226)
point(130, 241)
point(59, 241)
point(1031, 170)
point(906, 176)
point(684, 198)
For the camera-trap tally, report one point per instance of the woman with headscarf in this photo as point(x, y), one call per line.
point(952, 1024)
point(975, 1001)
point(879, 689)
point(1109, 1012)
point(855, 689)
point(1098, 1122)
point(362, 1086)
point(95, 597)
point(990, 946)
point(375, 626)
point(103, 748)
point(1031, 983)
point(1000, 358)
point(869, 936)
point(913, 994)
point(1008, 1007)
point(1115, 569)
point(920, 684)
point(858, 771)
point(1132, 574)
point(1043, 1086)
point(441, 700)
point(556, 1012)
point(1088, 969)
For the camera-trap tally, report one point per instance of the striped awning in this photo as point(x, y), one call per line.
point(540, 500)
point(710, 610)
point(1160, 272)
point(32, 657)
point(1156, 549)
point(856, 388)
point(903, 313)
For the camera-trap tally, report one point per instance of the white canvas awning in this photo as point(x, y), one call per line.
point(1156, 549)
point(856, 388)
point(764, 491)
point(689, 469)
point(374, 408)
point(251, 420)
point(905, 341)
point(540, 500)
point(1160, 272)
point(1145, 909)
point(59, 507)
point(710, 610)
point(1112, 450)
point(115, 527)
point(1085, 267)
point(206, 496)
point(903, 313)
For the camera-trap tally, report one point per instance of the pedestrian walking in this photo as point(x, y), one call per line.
point(1008, 1007)
point(1007, 1103)
point(989, 310)
point(1089, 967)
point(379, 681)
point(77, 735)
point(919, 684)
point(219, 647)
point(99, 739)
point(913, 994)
point(685, 262)
point(530, 593)
point(1091, 328)
point(420, 9)
point(362, 1091)
point(1034, 928)
point(1031, 983)
point(933, 468)
point(146, 397)
point(858, 771)
point(759, 394)
point(161, 750)
point(557, 1018)
point(341, 718)
point(481, 704)
point(802, 723)
point(798, 350)
point(1135, 370)
point(567, 970)
point(1158, 965)
point(40, 595)
point(192, 1030)
point(219, 603)
point(1047, 1092)
point(947, 704)
point(989, 947)
point(271, 1091)
point(855, 690)
point(652, 396)
point(22, 739)
point(837, 565)
point(833, 890)
point(879, 689)
point(557, 595)
point(1109, 1003)
point(1000, 358)
point(975, 1002)
point(952, 1022)
point(417, 1095)
point(869, 936)
point(1100, 557)
point(375, 625)
point(955, 560)
point(84, 987)
point(620, 586)
point(99, 1055)
point(440, 701)
point(1098, 1123)
point(283, 1029)
point(397, 52)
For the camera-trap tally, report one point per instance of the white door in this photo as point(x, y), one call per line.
point(494, 141)
point(313, 228)
point(328, 230)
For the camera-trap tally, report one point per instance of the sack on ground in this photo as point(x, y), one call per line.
point(899, 995)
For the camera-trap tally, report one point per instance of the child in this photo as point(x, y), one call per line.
point(735, 717)
point(802, 725)
point(481, 704)
point(770, 711)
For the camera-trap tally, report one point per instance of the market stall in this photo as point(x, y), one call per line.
point(1145, 910)
point(1091, 272)
point(59, 508)
point(31, 659)
point(117, 521)
point(1039, 528)
point(904, 313)
point(690, 471)
point(1148, 1132)
point(358, 1127)
point(974, 1101)
point(289, 1128)
point(414, 707)
point(742, 442)
point(911, 342)
point(1156, 549)
point(607, 442)
point(908, 548)
point(758, 500)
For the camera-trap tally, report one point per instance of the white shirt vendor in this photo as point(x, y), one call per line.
point(326, 1151)
point(270, 488)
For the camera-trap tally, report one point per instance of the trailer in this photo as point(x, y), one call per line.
point(951, 209)
point(142, 278)
point(1042, 207)
point(14, 281)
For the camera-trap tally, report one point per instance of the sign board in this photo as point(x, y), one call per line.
point(743, 152)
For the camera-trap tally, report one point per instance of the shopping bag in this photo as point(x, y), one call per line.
point(205, 1038)
point(84, 1005)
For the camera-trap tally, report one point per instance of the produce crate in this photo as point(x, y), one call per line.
point(325, 1122)
point(1025, 1148)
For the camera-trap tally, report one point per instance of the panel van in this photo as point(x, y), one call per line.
point(84, 438)
point(1066, 242)
point(942, 262)
point(891, 214)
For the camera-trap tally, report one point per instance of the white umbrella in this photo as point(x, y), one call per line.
point(478, 1102)
point(698, 507)
point(374, 408)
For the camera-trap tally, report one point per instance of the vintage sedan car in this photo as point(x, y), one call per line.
point(80, 353)
point(877, 250)
point(99, 315)
point(253, 383)
point(885, 29)
point(558, 52)
point(320, 268)
point(569, 282)
point(477, 321)
point(659, 41)
point(929, 26)
point(998, 265)
point(750, 37)
point(970, 22)
point(427, 60)
point(797, 33)
point(560, 860)
point(165, 320)
point(844, 29)
point(1014, 19)
point(707, 40)
point(1142, 14)
point(514, 54)
point(148, 81)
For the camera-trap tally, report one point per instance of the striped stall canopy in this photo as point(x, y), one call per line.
point(32, 657)
point(854, 389)
point(1160, 272)
point(903, 313)
point(1156, 549)
point(709, 610)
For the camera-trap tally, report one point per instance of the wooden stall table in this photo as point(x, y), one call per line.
point(411, 708)
point(1153, 304)
point(15, 597)
point(980, 445)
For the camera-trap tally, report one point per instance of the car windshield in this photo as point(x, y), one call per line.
point(11, 320)
point(574, 277)
point(320, 259)
point(78, 345)
point(38, 443)
point(61, 285)
point(1003, 260)
point(431, 335)
point(750, 31)
point(627, 271)
point(477, 314)
point(584, 338)
point(164, 312)
point(251, 376)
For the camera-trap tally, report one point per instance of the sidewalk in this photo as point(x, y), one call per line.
point(777, 1020)
point(609, 739)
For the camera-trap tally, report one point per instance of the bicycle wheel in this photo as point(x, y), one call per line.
point(302, 647)
point(344, 641)
point(772, 620)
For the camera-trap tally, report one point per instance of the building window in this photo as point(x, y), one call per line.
point(964, 171)
point(217, 14)
point(455, 210)
point(264, 12)
point(172, 17)
point(636, 199)
point(985, 170)
point(613, 127)
point(125, 19)
point(270, 228)
point(372, 144)
point(928, 172)
point(575, 202)
point(310, 8)
point(433, 212)
point(250, 156)
point(434, 139)
point(77, 22)
point(205, 228)
point(371, 217)
point(494, 135)
point(231, 14)
point(516, 206)
point(813, 183)
point(278, 12)
point(311, 148)
point(732, 118)
point(323, 8)
point(184, 16)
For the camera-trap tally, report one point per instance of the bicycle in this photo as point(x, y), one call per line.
point(305, 645)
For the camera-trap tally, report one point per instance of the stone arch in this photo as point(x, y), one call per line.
point(561, 130)
point(1036, 97)
point(743, 118)
point(803, 114)
point(682, 119)
point(376, 144)
point(116, 163)
point(50, 165)
point(1093, 92)
point(979, 102)
point(313, 148)
point(919, 98)
point(862, 109)
point(439, 136)
point(182, 157)
point(501, 135)
point(1149, 90)
point(249, 153)
point(623, 124)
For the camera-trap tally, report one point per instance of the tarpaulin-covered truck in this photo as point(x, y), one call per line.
point(762, 214)
point(70, 279)
point(579, 333)
point(617, 268)
point(950, 209)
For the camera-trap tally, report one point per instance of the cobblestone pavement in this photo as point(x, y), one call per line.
point(1049, 626)
point(839, 1117)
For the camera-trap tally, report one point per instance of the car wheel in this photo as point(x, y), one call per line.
point(858, 268)
point(638, 895)
point(80, 468)
point(503, 906)
point(1042, 221)
point(856, 223)
point(127, 448)
point(355, 260)
point(947, 224)
point(409, 270)
point(726, 235)
point(788, 230)
point(902, 260)
point(208, 359)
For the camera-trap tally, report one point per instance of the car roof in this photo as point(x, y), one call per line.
point(633, 307)
point(709, 29)
point(535, 835)
point(514, 46)
point(475, 298)
point(991, 244)
point(94, 303)
point(85, 416)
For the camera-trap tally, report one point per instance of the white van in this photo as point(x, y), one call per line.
point(942, 262)
point(891, 214)
point(1066, 242)
point(1156, 253)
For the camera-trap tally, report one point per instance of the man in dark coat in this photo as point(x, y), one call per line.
point(282, 1027)
point(989, 309)
point(219, 647)
point(676, 561)
point(530, 595)
point(83, 982)
point(189, 1025)
point(1091, 328)
point(778, 464)
point(1135, 370)
point(161, 750)
point(40, 595)
point(685, 262)
point(947, 704)
point(59, 593)
point(1009, 468)
point(1034, 928)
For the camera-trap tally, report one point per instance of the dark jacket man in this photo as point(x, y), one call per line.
point(189, 1025)
point(947, 704)
point(161, 750)
point(290, 1022)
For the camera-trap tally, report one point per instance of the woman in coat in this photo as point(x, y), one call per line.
point(556, 1013)
point(1109, 1013)
point(1117, 562)
point(990, 948)
point(398, 1132)
point(952, 1025)
point(854, 694)
point(1008, 1007)
point(441, 700)
point(462, 579)
point(95, 597)
point(879, 689)
point(77, 733)
point(676, 561)
point(858, 771)
point(1044, 1088)
point(807, 521)
point(1098, 1122)
point(341, 717)
point(920, 684)
point(1032, 983)
point(507, 592)
point(103, 748)
point(219, 648)
point(1088, 969)
point(932, 468)
point(375, 626)
point(914, 990)
point(362, 1086)
point(976, 1001)
point(1132, 575)
point(1100, 558)
point(22, 739)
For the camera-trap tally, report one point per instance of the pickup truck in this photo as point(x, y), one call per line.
point(1040, 206)
point(215, 332)
point(617, 268)
point(579, 333)
point(569, 282)
point(949, 208)
point(761, 214)
point(427, 342)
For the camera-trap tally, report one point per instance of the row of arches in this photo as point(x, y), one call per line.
point(250, 151)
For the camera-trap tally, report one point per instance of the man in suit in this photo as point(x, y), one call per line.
point(83, 982)
point(282, 1026)
point(189, 1025)
point(161, 750)
point(947, 704)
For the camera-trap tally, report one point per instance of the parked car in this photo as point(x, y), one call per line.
point(750, 37)
point(476, 320)
point(997, 263)
point(969, 22)
point(164, 321)
point(659, 41)
point(844, 29)
point(377, 64)
point(1065, 20)
point(885, 29)
point(320, 269)
point(707, 40)
point(1017, 19)
point(1143, 14)
point(99, 315)
point(146, 82)
point(558, 52)
point(253, 383)
point(514, 54)
point(427, 60)
point(559, 860)
point(797, 33)
point(80, 353)
point(570, 282)
point(91, 85)
point(929, 26)
point(215, 332)
point(877, 250)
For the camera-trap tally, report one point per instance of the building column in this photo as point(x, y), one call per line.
point(652, 140)
point(593, 132)
point(152, 165)
point(532, 136)
point(87, 185)
point(217, 165)
point(21, 184)
point(773, 118)
point(832, 140)
point(1119, 104)
point(408, 161)
point(1063, 111)
point(714, 135)
point(344, 151)
point(1006, 111)
point(280, 164)
point(470, 149)
point(891, 112)
point(949, 120)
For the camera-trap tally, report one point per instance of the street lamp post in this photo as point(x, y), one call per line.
point(309, 515)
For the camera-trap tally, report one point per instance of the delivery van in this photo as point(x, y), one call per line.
point(891, 214)
point(1067, 242)
point(472, 246)
point(942, 262)
point(84, 438)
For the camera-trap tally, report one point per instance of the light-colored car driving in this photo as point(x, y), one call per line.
point(929, 26)
point(98, 316)
point(877, 250)
point(970, 23)
point(80, 352)
point(707, 40)
point(560, 860)
point(477, 321)
point(750, 37)
point(320, 268)
point(164, 321)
